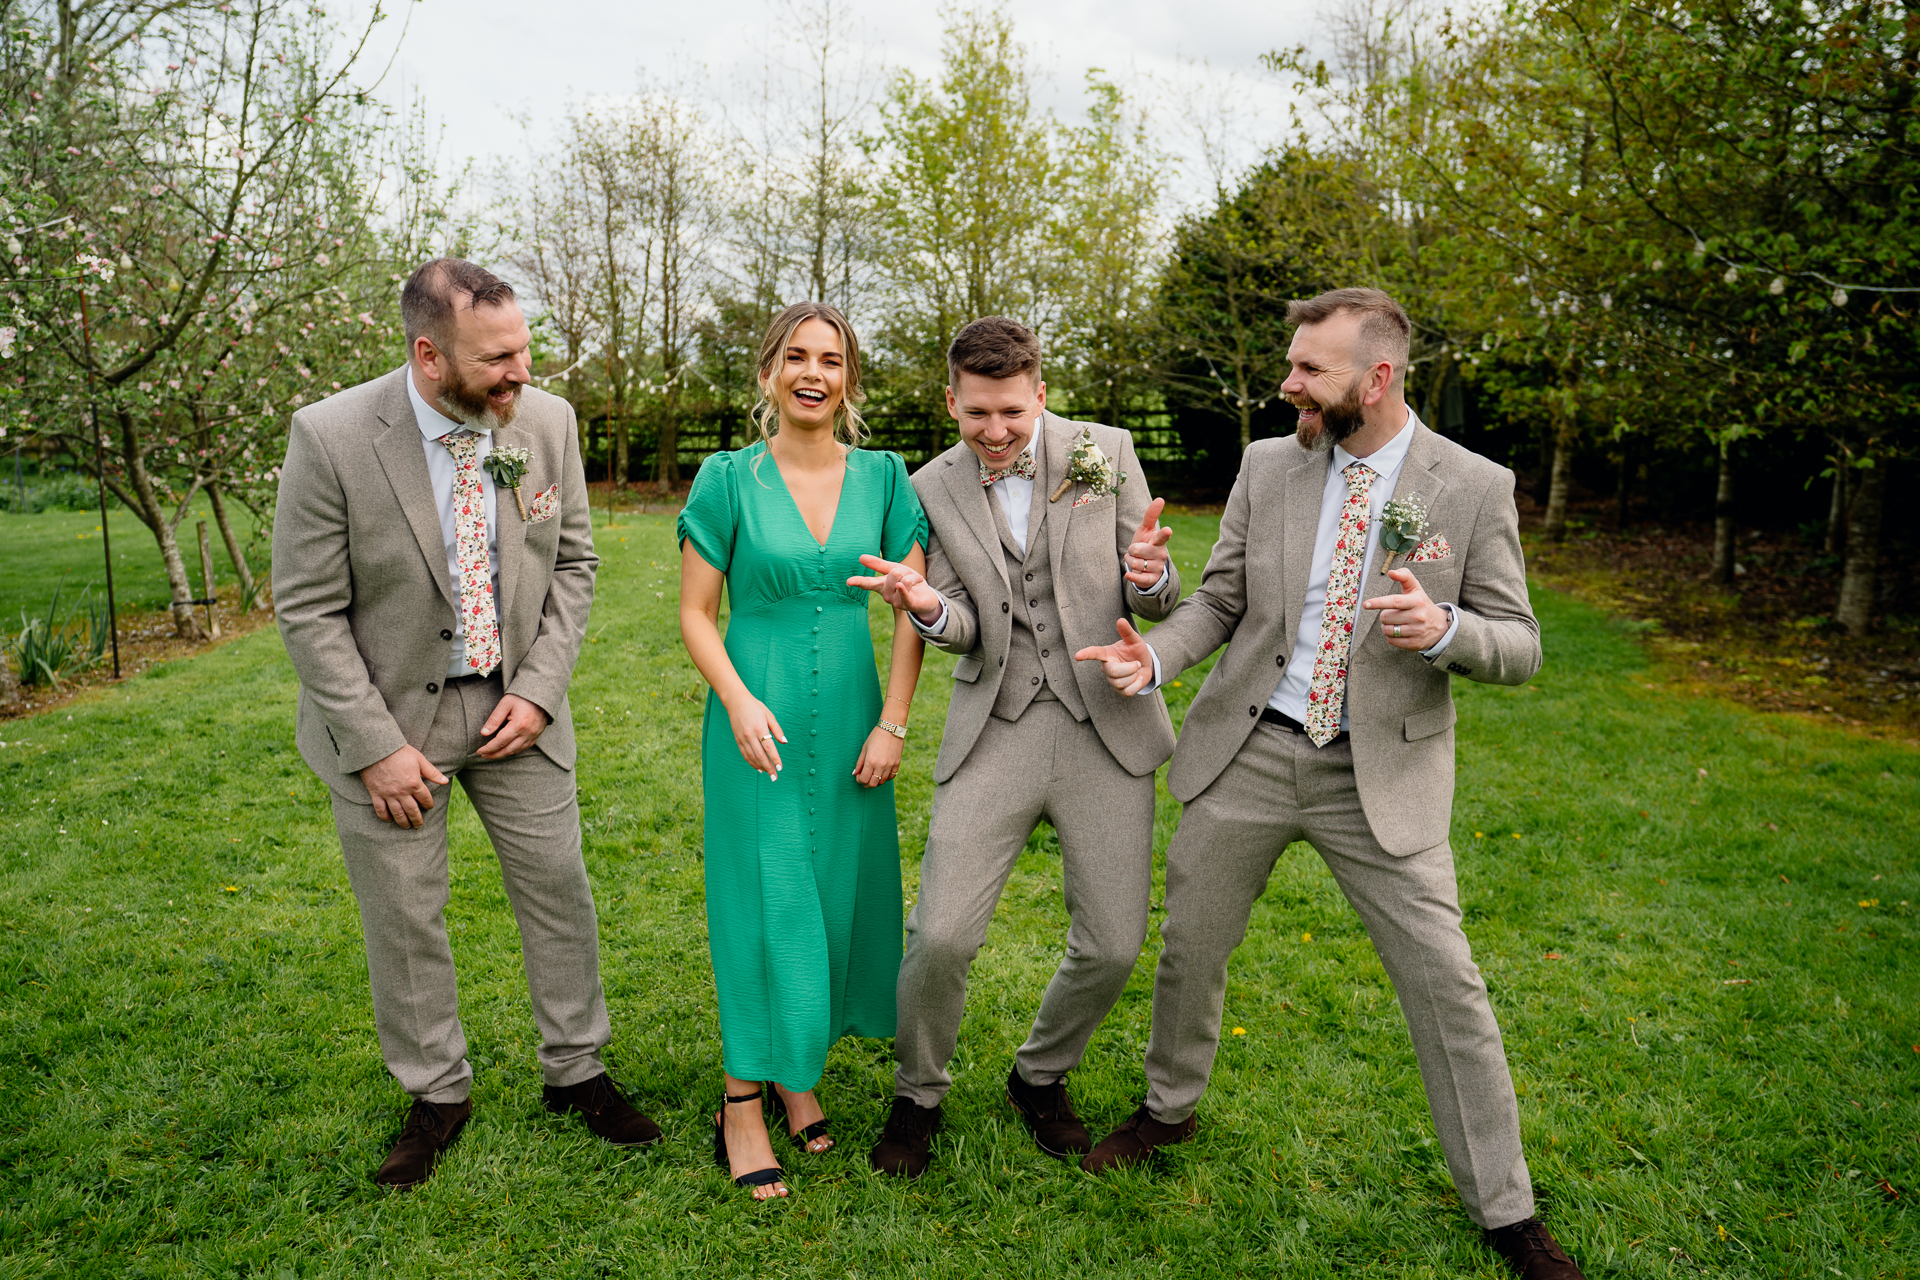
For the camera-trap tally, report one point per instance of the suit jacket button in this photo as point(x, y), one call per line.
point(1254, 712)
point(445, 634)
point(1029, 577)
point(1279, 659)
point(432, 688)
point(1005, 607)
point(1036, 679)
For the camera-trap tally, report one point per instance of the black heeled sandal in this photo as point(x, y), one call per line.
point(818, 1129)
point(759, 1177)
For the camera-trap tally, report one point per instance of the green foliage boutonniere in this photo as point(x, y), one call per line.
point(1403, 522)
point(508, 467)
point(1090, 466)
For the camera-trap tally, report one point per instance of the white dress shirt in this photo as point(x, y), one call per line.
point(442, 471)
point(1016, 499)
point(1290, 699)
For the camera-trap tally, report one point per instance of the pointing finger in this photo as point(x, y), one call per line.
point(878, 565)
point(1152, 516)
point(1128, 636)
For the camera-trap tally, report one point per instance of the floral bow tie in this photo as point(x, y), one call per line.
point(1022, 468)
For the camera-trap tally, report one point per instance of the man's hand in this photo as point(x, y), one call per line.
point(1410, 621)
point(515, 725)
point(901, 588)
point(1129, 664)
point(1146, 559)
point(398, 785)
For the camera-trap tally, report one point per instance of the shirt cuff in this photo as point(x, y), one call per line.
point(938, 627)
point(1156, 671)
point(1440, 646)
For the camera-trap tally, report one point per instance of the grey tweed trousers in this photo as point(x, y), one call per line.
point(1279, 789)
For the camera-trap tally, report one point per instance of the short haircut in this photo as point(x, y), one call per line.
point(1385, 332)
point(432, 295)
point(994, 347)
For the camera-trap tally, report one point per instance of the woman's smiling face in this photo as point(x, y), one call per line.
point(811, 380)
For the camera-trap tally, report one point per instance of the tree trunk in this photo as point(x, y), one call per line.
point(1622, 490)
point(666, 457)
point(240, 570)
point(147, 507)
point(1561, 486)
point(1721, 574)
point(1855, 611)
point(1837, 510)
point(9, 684)
point(620, 437)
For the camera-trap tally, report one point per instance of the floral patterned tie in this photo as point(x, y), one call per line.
point(1327, 693)
point(1021, 468)
point(470, 549)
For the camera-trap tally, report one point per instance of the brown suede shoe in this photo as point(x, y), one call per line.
point(1138, 1137)
point(609, 1116)
point(904, 1147)
point(1048, 1112)
point(430, 1129)
point(1531, 1251)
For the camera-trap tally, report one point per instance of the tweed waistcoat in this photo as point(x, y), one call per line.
point(1038, 664)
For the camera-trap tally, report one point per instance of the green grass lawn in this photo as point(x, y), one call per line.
point(62, 549)
point(1697, 924)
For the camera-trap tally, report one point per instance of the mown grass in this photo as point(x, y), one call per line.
point(62, 549)
point(190, 1084)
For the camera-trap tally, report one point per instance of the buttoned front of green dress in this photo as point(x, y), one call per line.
point(803, 873)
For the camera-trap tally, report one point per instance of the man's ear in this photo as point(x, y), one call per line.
point(1040, 395)
point(953, 407)
point(1379, 382)
point(428, 358)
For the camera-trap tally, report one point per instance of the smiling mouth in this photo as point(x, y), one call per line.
point(997, 450)
point(811, 398)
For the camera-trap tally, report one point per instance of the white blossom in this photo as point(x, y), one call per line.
point(1778, 287)
point(1839, 297)
point(1733, 274)
point(6, 342)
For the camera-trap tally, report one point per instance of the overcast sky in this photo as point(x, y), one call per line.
point(479, 63)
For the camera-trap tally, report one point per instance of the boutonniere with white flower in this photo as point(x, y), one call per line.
point(1403, 523)
point(1088, 465)
point(508, 467)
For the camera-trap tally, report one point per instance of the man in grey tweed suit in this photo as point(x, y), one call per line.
point(434, 615)
point(1329, 719)
point(1024, 564)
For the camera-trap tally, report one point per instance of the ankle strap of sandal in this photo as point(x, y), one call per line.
point(745, 1097)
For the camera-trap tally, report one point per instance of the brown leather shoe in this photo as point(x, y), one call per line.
point(430, 1129)
point(1138, 1137)
point(904, 1147)
point(1048, 1112)
point(609, 1116)
point(1531, 1251)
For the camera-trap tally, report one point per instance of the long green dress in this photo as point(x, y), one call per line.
point(803, 874)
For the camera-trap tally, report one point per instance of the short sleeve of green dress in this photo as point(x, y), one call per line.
point(803, 873)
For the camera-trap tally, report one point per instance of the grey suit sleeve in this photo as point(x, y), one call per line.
point(1208, 618)
point(1129, 508)
point(543, 675)
point(1498, 640)
point(963, 622)
point(312, 593)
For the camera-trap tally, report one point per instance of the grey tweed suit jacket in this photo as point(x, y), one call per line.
point(360, 576)
point(967, 565)
point(1400, 709)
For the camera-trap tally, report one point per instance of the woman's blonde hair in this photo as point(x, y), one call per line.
point(848, 425)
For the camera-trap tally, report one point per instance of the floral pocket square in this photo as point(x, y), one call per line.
point(1434, 548)
point(1087, 497)
point(544, 504)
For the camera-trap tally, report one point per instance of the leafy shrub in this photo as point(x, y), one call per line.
point(53, 646)
point(52, 491)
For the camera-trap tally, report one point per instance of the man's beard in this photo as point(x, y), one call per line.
point(1338, 421)
point(466, 403)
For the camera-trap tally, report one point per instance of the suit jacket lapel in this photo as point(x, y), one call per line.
point(403, 457)
point(970, 498)
point(1056, 439)
point(1417, 479)
point(1306, 485)
point(511, 537)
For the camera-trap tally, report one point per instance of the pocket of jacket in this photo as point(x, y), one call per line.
point(1424, 724)
point(968, 668)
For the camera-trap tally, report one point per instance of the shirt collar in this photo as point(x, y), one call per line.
point(1385, 460)
point(432, 423)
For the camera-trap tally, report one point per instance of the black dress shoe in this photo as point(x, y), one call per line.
point(430, 1129)
point(1048, 1112)
point(1531, 1252)
point(1137, 1138)
point(905, 1146)
point(609, 1116)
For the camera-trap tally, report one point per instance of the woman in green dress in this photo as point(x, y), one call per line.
point(798, 748)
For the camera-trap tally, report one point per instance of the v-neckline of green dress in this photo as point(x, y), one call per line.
point(793, 504)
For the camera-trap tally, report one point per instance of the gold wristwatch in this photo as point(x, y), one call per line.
point(897, 730)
